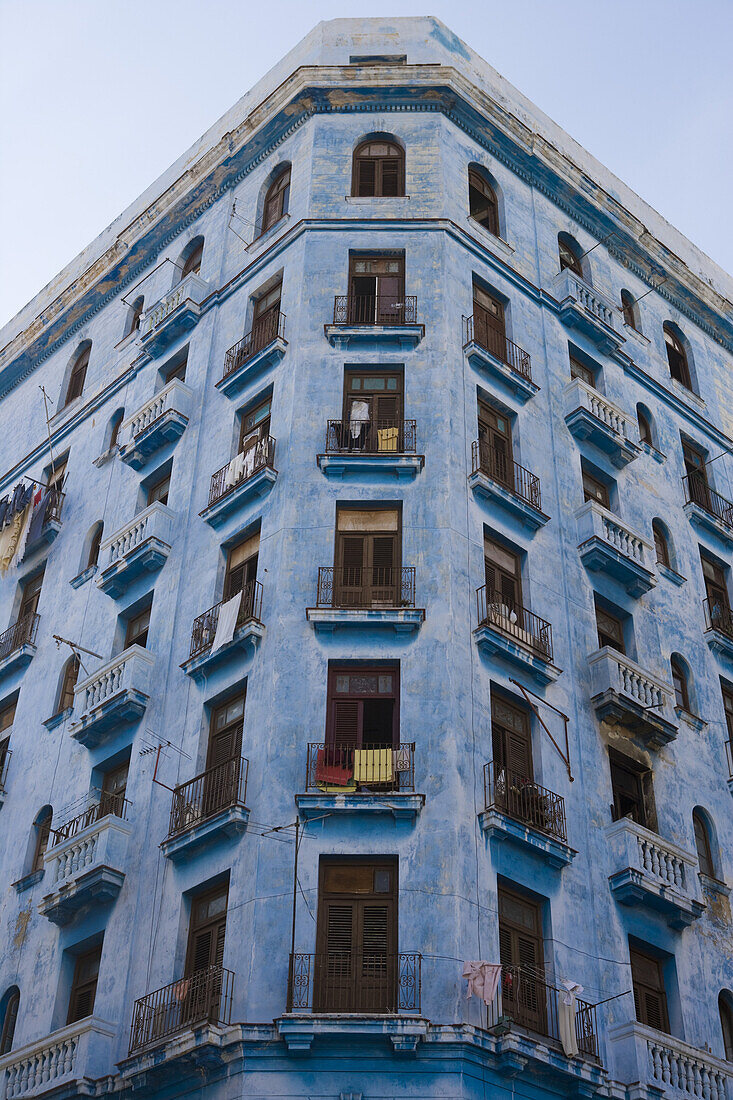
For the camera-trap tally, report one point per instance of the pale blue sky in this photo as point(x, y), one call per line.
point(98, 97)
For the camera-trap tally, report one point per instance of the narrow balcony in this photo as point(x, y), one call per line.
point(62, 1063)
point(506, 485)
point(370, 988)
point(115, 693)
point(51, 524)
point(210, 806)
point(381, 320)
point(206, 650)
point(87, 860)
point(589, 311)
point(653, 873)
point(160, 421)
point(516, 635)
point(18, 644)
point(261, 348)
point(719, 627)
point(372, 780)
point(490, 351)
point(371, 447)
point(361, 597)
point(4, 765)
point(625, 695)
point(173, 315)
point(521, 811)
point(674, 1068)
point(141, 546)
point(607, 545)
point(591, 416)
point(707, 510)
point(204, 997)
point(246, 478)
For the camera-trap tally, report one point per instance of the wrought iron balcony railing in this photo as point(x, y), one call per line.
point(697, 491)
point(495, 464)
point(21, 633)
point(477, 330)
point(207, 794)
point(526, 998)
point(523, 799)
point(359, 587)
point(498, 610)
point(109, 803)
point(371, 309)
point(204, 627)
point(241, 469)
point(263, 332)
point(378, 769)
point(376, 437)
point(4, 764)
point(729, 756)
point(718, 616)
point(205, 995)
point(369, 983)
point(54, 505)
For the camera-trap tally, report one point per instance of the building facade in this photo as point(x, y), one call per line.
point(368, 615)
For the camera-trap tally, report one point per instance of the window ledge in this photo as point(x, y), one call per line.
point(658, 456)
point(675, 578)
point(364, 200)
point(634, 333)
point(105, 457)
point(27, 881)
point(501, 246)
point(82, 578)
point(688, 395)
point(56, 719)
point(691, 719)
point(268, 235)
point(714, 885)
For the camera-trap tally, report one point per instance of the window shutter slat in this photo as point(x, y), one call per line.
point(339, 934)
point(346, 721)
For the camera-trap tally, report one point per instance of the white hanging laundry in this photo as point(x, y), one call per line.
point(358, 417)
point(483, 979)
point(249, 463)
point(227, 624)
point(234, 470)
point(566, 1017)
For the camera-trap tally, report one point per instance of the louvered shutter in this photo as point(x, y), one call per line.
point(390, 304)
point(200, 953)
point(335, 984)
point(510, 592)
point(390, 177)
point(366, 175)
point(375, 992)
point(518, 754)
point(387, 409)
point(490, 581)
point(650, 998)
point(348, 587)
point(346, 721)
point(83, 1003)
point(383, 570)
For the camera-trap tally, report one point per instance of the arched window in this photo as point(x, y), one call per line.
point(276, 199)
point(192, 262)
point(482, 202)
point(630, 310)
point(569, 254)
point(679, 679)
point(68, 683)
point(679, 368)
point(660, 543)
point(95, 543)
point(136, 312)
point(113, 428)
point(702, 843)
point(42, 830)
point(78, 376)
point(645, 425)
point(725, 1007)
point(379, 169)
point(9, 1007)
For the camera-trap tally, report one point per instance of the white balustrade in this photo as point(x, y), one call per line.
point(155, 521)
point(129, 671)
point(595, 520)
point(670, 866)
point(684, 1072)
point(571, 286)
point(81, 1050)
point(192, 288)
point(579, 395)
point(104, 843)
point(614, 671)
point(175, 397)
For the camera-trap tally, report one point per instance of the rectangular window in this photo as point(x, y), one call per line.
point(489, 326)
point(57, 476)
point(650, 997)
point(522, 958)
point(207, 930)
point(137, 629)
point(728, 707)
point(363, 707)
point(716, 586)
point(368, 557)
point(241, 567)
point(31, 595)
point(593, 489)
point(266, 305)
point(372, 410)
point(84, 985)
point(495, 445)
point(178, 370)
point(632, 791)
point(159, 489)
point(114, 787)
point(7, 715)
point(579, 370)
point(4, 750)
point(376, 290)
point(255, 426)
point(610, 630)
point(225, 732)
point(503, 576)
point(511, 738)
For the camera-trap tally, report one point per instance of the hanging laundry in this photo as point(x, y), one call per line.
point(373, 765)
point(249, 463)
point(4, 504)
point(23, 537)
point(9, 542)
point(234, 471)
point(358, 417)
point(41, 502)
point(566, 1017)
point(483, 979)
point(387, 439)
point(227, 624)
point(334, 769)
point(402, 759)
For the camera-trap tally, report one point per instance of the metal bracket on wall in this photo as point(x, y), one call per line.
point(564, 755)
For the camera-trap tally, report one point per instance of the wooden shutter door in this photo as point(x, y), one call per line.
point(390, 177)
point(377, 958)
point(511, 739)
point(650, 998)
point(383, 577)
point(366, 176)
point(390, 302)
point(336, 989)
point(349, 587)
point(520, 947)
point(387, 416)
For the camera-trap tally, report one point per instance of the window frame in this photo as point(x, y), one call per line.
point(80, 986)
point(10, 1019)
point(357, 170)
point(677, 359)
point(192, 263)
point(77, 377)
point(641, 986)
point(277, 199)
point(703, 845)
point(484, 189)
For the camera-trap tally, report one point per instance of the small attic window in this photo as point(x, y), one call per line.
point(378, 59)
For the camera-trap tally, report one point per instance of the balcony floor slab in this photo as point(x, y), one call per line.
point(709, 524)
point(634, 888)
point(526, 514)
point(148, 557)
point(97, 886)
point(501, 827)
point(300, 1031)
point(598, 556)
point(619, 710)
point(202, 1046)
point(175, 325)
point(125, 706)
point(47, 535)
point(245, 493)
point(401, 337)
point(168, 428)
point(232, 384)
point(401, 806)
point(583, 425)
point(247, 637)
point(402, 466)
point(493, 642)
point(720, 643)
point(231, 821)
point(18, 660)
point(517, 385)
point(402, 620)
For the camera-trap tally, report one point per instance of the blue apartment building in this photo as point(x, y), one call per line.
point(368, 612)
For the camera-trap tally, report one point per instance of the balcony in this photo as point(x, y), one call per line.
point(247, 635)
point(4, 765)
point(360, 597)
point(589, 311)
point(342, 983)
point(51, 524)
point(654, 873)
point(489, 351)
point(379, 321)
point(607, 545)
point(626, 695)
point(515, 635)
point(677, 1069)
point(160, 421)
point(261, 348)
point(141, 546)
point(506, 485)
point(62, 1063)
point(210, 806)
point(173, 315)
point(371, 447)
point(729, 758)
point(116, 693)
point(707, 510)
point(204, 997)
point(345, 779)
point(594, 418)
point(86, 864)
point(18, 644)
point(528, 815)
point(719, 627)
point(246, 478)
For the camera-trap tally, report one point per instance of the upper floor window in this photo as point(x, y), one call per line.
point(276, 199)
point(84, 985)
point(645, 425)
point(679, 367)
point(207, 930)
point(42, 828)
point(610, 629)
point(78, 376)
point(10, 1006)
point(725, 1007)
point(68, 683)
point(581, 371)
point(633, 795)
point(661, 545)
point(31, 595)
point(159, 489)
point(379, 169)
point(367, 557)
point(679, 680)
point(192, 263)
point(703, 845)
point(630, 310)
point(569, 254)
point(136, 312)
point(650, 997)
point(114, 426)
point(482, 202)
